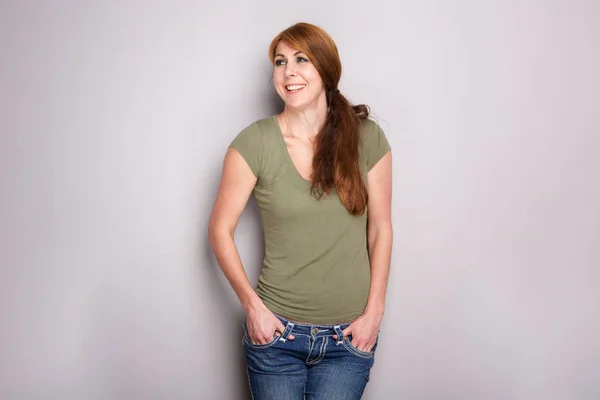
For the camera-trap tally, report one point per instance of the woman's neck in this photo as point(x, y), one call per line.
point(305, 124)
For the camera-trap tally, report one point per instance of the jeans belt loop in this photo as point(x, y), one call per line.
point(286, 332)
point(340, 335)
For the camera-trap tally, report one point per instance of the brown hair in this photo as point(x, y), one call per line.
point(335, 163)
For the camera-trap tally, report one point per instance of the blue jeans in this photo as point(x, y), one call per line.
point(313, 366)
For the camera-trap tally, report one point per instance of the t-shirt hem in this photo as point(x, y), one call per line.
point(286, 314)
point(378, 158)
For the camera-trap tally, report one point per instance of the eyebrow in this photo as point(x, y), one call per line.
point(281, 55)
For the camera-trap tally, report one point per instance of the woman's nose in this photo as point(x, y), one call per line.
point(290, 70)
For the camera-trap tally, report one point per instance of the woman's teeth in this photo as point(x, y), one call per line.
point(294, 88)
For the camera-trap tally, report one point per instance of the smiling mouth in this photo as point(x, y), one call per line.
point(294, 88)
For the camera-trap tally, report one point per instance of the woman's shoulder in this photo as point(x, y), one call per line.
point(257, 135)
point(374, 142)
point(257, 143)
point(259, 131)
point(262, 126)
point(370, 126)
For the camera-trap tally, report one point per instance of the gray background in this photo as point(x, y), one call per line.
point(115, 117)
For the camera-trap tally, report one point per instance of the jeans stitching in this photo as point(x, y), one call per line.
point(246, 341)
point(316, 337)
point(322, 352)
point(249, 384)
point(311, 344)
point(357, 352)
point(260, 346)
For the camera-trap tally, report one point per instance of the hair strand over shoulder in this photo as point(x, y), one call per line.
point(336, 159)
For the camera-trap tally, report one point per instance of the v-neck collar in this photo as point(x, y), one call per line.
point(305, 183)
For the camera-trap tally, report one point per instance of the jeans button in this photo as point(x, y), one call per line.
point(315, 331)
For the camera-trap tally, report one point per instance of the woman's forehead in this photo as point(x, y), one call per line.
point(284, 48)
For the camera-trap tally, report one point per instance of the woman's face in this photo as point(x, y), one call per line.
point(295, 78)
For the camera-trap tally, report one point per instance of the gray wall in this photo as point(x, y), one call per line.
point(115, 117)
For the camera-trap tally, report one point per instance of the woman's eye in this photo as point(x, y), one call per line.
point(279, 62)
point(302, 59)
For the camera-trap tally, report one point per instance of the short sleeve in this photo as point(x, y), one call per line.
point(375, 143)
point(250, 146)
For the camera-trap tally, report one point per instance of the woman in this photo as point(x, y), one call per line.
point(315, 170)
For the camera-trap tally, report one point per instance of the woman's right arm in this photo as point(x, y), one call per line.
point(237, 182)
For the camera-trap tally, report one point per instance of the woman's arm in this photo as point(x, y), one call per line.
point(364, 330)
point(379, 232)
point(237, 182)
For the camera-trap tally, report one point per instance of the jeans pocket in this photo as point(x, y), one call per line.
point(246, 340)
point(364, 354)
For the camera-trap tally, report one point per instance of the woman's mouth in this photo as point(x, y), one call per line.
point(294, 88)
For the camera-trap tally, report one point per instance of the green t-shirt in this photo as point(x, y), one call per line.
point(316, 264)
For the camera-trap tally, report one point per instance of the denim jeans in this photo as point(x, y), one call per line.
point(313, 366)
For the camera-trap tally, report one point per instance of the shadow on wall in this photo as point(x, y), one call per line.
point(217, 289)
point(271, 100)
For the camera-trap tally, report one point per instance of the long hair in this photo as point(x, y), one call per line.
point(336, 160)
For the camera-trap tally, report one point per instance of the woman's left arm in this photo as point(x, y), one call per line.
point(379, 232)
point(364, 329)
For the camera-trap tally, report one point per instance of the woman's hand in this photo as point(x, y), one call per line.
point(364, 331)
point(263, 325)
